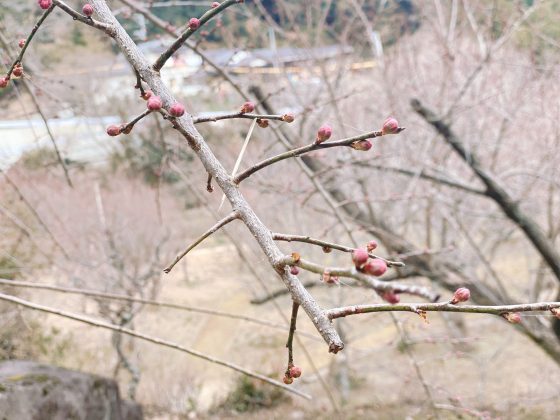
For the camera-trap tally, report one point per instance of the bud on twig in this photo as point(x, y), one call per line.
point(177, 110)
point(390, 126)
point(194, 24)
point(154, 103)
point(247, 107)
point(362, 145)
point(359, 257)
point(87, 10)
point(289, 118)
point(371, 245)
point(461, 295)
point(324, 133)
point(512, 317)
point(375, 267)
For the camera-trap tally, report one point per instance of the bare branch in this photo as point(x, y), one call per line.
point(149, 338)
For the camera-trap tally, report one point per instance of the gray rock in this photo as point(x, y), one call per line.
point(32, 391)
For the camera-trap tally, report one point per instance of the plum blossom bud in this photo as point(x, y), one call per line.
point(289, 118)
point(113, 130)
point(294, 372)
point(154, 103)
point(391, 297)
point(359, 257)
point(262, 122)
point(461, 295)
point(287, 380)
point(21, 43)
point(194, 24)
point(390, 126)
point(18, 71)
point(87, 10)
point(556, 312)
point(177, 110)
point(294, 270)
point(375, 267)
point(362, 145)
point(327, 249)
point(513, 317)
point(371, 245)
point(44, 4)
point(215, 4)
point(3, 82)
point(324, 133)
point(247, 107)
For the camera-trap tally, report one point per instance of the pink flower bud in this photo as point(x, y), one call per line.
point(324, 133)
point(21, 43)
point(194, 24)
point(391, 297)
point(177, 110)
point(154, 103)
point(45, 4)
point(294, 372)
point(262, 122)
point(375, 267)
point(513, 317)
point(359, 257)
point(147, 95)
point(113, 130)
point(461, 295)
point(3, 82)
point(215, 4)
point(287, 380)
point(87, 9)
point(371, 245)
point(247, 107)
point(390, 126)
point(18, 70)
point(289, 118)
point(362, 145)
point(294, 270)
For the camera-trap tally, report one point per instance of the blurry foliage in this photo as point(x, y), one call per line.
point(251, 395)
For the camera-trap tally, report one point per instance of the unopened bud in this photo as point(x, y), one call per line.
point(390, 126)
point(247, 107)
point(391, 297)
point(324, 133)
point(87, 10)
point(461, 295)
point(371, 245)
point(262, 122)
point(287, 380)
point(513, 317)
point(294, 372)
point(294, 270)
point(194, 24)
point(289, 118)
point(154, 103)
point(113, 130)
point(362, 145)
point(359, 257)
point(177, 110)
point(375, 267)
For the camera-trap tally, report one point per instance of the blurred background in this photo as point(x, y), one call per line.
point(488, 69)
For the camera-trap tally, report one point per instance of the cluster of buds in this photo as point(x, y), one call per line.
point(462, 294)
point(292, 373)
point(44, 4)
point(372, 266)
point(323, 134)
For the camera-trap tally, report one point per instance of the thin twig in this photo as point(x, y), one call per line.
point(149, 338)
point(234, 115)
point(289, 344)
point(162, 59)
point(318, 242)
point(229, 218)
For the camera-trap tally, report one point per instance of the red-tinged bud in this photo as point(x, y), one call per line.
point(327, 249)
point(147, 95)
point(390, 126)
point(294, 270)
point(215, 4)
point(359, 257)
point(194, 24)
point(513, 317)
point(375, 267)
point(87, 10)
point(287, 380)
point(289, 118)
point(391, 297)
point(154, 103)
point(461, 295)
point(177, 110)
point(3, 82)
point(18, 71)
point(362, 145)
point(113, 130)
point(44, 4)
point(324, 133)
point(371, 245)
point(247, 107)
point(21, 43)
point(262, 122)
point(294, 372)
